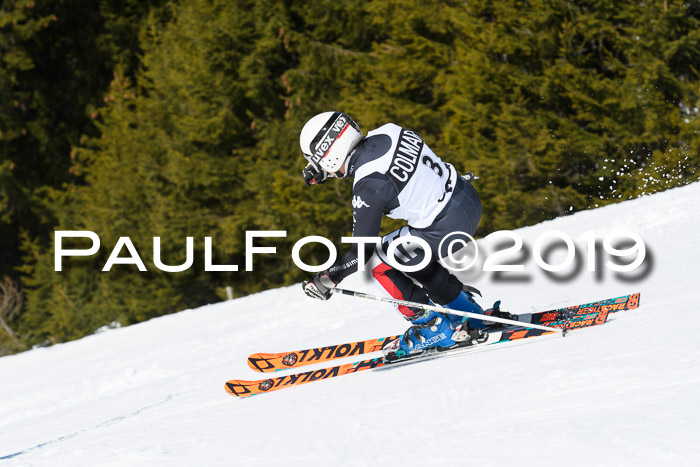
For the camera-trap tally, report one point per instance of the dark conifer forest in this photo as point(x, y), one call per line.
point(176, 119)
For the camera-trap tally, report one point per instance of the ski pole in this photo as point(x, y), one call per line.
point(444, 310)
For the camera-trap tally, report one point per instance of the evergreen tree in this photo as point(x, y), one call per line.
point(544, 92)
point(56, 60)
point(558, 106)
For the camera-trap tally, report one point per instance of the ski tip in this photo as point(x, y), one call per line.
point(230, 388)
point(252, 361)
point(241, 388)
point(262, 362)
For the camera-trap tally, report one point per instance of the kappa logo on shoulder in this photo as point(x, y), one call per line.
point(358, 203)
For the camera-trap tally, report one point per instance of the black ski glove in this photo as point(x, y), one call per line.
point(319, 287)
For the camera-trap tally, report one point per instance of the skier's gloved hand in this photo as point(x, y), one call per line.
point(319, 287)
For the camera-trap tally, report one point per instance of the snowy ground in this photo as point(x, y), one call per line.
point(626, 393)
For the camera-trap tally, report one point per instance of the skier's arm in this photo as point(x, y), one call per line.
point(371, 197)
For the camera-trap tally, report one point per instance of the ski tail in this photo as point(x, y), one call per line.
point(586, 314)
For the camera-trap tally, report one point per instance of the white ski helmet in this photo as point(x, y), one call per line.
point(326, 140)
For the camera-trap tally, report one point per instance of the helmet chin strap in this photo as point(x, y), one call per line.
point(346, 164)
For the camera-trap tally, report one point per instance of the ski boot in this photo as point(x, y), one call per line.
point(467, 331)
point(430, 331)
point(465, 302)
point(434, 331)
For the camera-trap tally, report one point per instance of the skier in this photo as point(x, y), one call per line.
point(397, 174)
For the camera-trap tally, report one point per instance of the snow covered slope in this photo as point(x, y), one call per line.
point(626, 393)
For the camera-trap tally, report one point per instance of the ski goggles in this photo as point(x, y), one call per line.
point(314, 175)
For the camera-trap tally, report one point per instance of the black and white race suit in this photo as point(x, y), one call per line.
point(396, 174)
